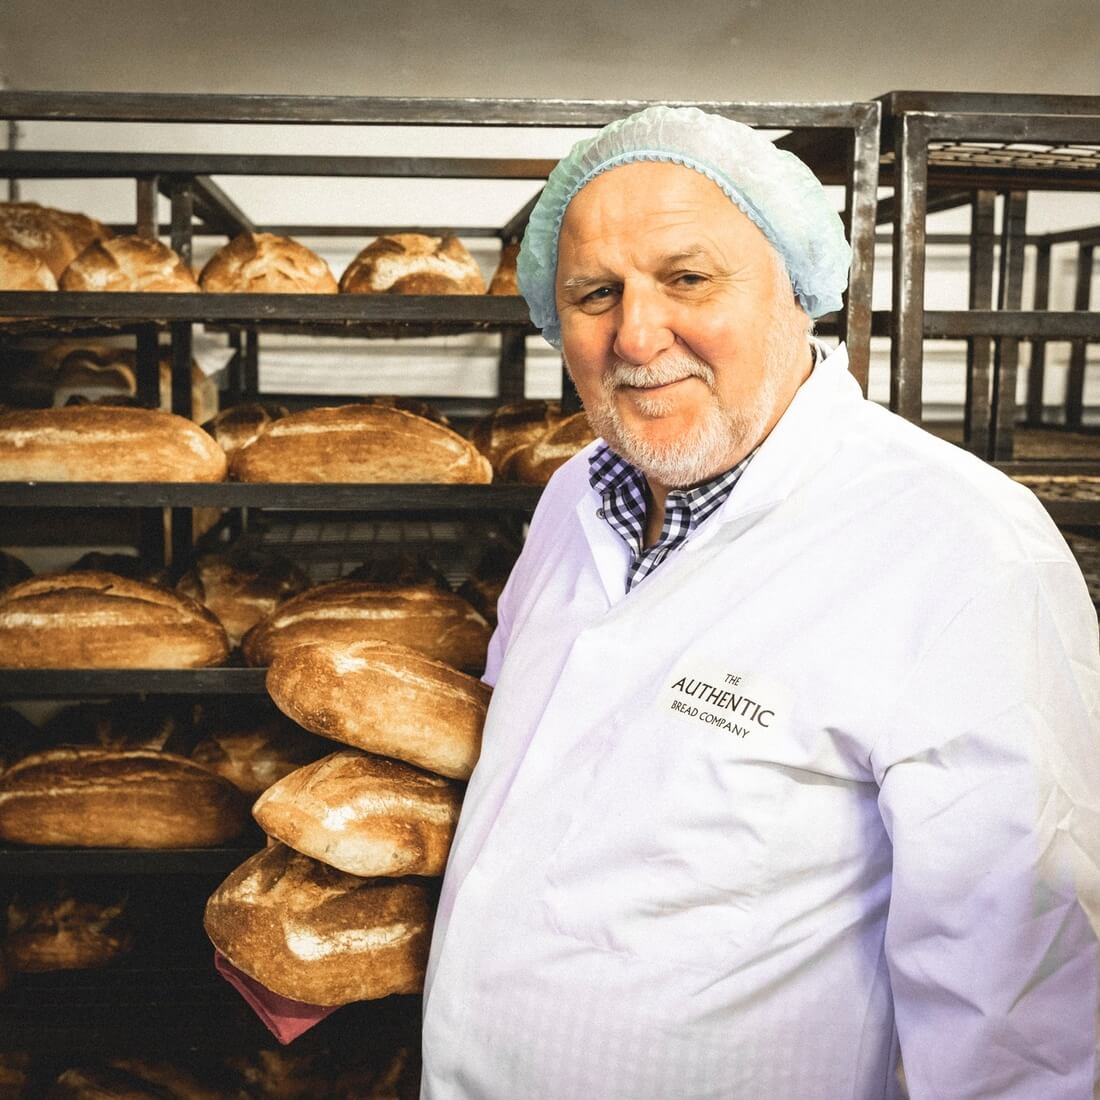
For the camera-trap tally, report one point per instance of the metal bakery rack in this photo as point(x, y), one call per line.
point(173, 998)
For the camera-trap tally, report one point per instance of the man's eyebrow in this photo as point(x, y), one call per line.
point(575, 282)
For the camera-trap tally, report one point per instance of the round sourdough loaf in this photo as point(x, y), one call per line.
point(413, 263)
point(99, 798)
point(132, 264)
point(102, 620)
point(312, 933)
point(386, 699)
point(535, 462)
point(63, 932)
point(21, 269)
point(437, 623)
point(359, 443)
point(242, 587)
point(512, 426)
point(105, 443)
point(265, 263)
point(364, 814)
point(55, 236)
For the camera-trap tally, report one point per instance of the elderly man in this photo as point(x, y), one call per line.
point(792, 756)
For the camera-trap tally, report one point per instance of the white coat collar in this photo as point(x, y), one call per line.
point(794, 446)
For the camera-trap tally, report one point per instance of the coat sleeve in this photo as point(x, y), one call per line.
point(989, 775)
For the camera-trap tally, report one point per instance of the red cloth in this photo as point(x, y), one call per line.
point(284, 1018)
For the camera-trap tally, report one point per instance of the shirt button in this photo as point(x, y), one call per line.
point(601, 514)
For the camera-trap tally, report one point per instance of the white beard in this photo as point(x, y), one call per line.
point(720, 436)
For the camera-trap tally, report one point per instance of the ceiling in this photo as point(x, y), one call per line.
point(710, 49)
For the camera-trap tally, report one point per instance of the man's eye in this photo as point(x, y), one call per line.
point(690, 278)
point(600, 294)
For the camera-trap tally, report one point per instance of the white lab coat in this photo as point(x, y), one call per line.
point(832, 768)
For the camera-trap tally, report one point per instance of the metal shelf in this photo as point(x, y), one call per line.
point(343, 497)
point(321, 314)
point(31, 861)
point(65, 683)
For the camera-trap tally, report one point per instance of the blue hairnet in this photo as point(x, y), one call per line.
point(771, 186)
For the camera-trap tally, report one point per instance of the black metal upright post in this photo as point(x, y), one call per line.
point(1006, 355)
point(860, 203)
point(979, 349)
point(1075, 379)
point(1036, 372)
point(907, 316)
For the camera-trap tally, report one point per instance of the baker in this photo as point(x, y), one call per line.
point(660, 890)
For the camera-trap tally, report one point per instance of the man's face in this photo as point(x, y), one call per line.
point(679, 327)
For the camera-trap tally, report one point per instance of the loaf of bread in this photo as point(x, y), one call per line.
point(315, 934)
point(15, 1067)
point(440, 624)
point(21, 269)
point(156, 723)
point(265, 263)
point(241, 587)
point(514, 425)
point(105, 443)
point(504, 280)
point(412, 263)
point(125, 565)
point(12, 570)
point(97, 372)
point(359, 443)
point(239, 425)
point(415, 405)
point(384, 699)
point(535, 462)
point(95, 1082)
point(132, 264)
point(63, 932)
point(364, 814)
point(18, 737)
point(98, 798)
point(401, 568)
point(55, 236)
point(169, 1079)
point(257, 752)
point(101, 620)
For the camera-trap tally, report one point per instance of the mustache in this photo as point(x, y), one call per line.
point(673, 368)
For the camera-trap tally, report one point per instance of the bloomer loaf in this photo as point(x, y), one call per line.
point(312, 933)
point(359, 443)
point(105, 443)
point(101, 620)
point(265, 263)
point(364, 814)
point(413, 263)
point(439, 624)
point(385, 699)
point(99, 798)
point(132, 264)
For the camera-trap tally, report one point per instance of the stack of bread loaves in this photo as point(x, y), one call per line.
point(336, 909)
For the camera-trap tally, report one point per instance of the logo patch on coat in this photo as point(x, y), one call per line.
point(727, 701)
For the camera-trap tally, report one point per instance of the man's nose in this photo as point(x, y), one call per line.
point(645, 325)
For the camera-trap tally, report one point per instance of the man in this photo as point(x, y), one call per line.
point(792, 756)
